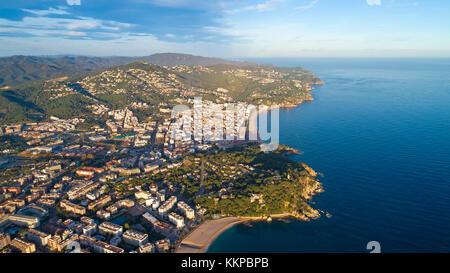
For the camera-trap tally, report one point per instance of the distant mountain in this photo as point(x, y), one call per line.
point(172, 59)
point(18, 70)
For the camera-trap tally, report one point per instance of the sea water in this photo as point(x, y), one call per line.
point(379, 131)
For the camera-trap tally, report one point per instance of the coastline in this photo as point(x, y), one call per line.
point(202, 236)
point(199, 239)
point(310, 98)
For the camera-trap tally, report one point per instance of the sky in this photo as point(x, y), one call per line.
point(226, 28)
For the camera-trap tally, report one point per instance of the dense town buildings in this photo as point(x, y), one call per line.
point(106, 192)
point(23, 246)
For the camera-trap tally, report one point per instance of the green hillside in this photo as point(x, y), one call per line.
point(156, 86)
point(16, 70)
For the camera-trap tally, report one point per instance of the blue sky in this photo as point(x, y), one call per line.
point(232, 29)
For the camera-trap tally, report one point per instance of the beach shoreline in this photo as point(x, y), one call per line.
point(199, 239)
point(203, 235)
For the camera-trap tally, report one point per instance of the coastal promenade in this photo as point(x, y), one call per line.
point(199, 239)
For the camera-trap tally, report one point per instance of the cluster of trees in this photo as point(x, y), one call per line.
point(279, 180)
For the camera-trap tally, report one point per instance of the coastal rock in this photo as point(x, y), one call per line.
point(310, 171)
point(312, 214)
point(289, 150)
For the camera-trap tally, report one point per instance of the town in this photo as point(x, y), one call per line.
point(60, 199)
point(129, 179)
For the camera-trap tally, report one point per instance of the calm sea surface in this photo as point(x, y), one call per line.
point(379, 131)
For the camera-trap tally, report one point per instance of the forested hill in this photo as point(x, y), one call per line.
point(148, 88)
point(18, 70)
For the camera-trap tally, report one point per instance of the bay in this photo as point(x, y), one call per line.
point(379, 131)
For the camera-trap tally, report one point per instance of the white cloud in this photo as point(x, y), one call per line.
point(83, 25)
point(310, 5)
point(194, 4)
point(373, 2)
point(76, 33)
point(264, 6)
point(40, 12)
point(42, 26)
point(73, 2)
point(268, 5)
point(128, 44)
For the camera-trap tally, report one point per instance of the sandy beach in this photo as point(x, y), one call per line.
point(200, 238)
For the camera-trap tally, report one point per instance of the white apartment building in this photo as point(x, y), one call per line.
point(110, 228)
point(176, 219)
point(135, 238)
point(186, 209)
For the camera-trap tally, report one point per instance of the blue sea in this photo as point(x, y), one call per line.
point(379, 131)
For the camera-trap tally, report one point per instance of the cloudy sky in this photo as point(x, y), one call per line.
point(232, 29)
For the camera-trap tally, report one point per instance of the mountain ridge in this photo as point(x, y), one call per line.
point(154, 86)
point(20, 69)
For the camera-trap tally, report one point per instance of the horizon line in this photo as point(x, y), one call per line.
point(241, 58)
